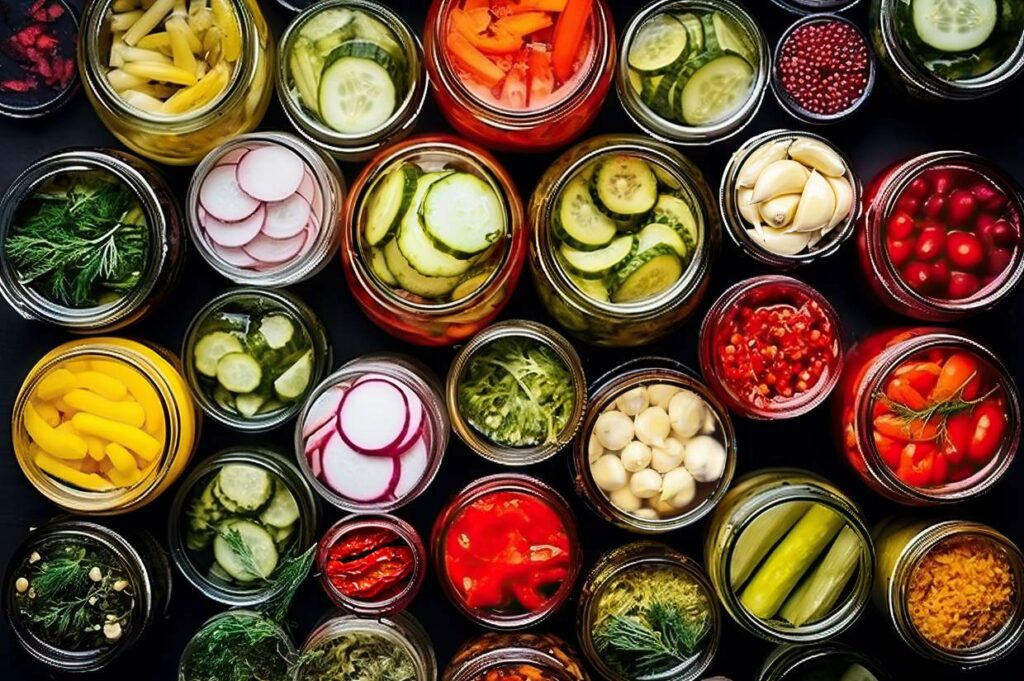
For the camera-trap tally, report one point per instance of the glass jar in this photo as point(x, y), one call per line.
point(414, 317)
point(812, 6)
point(541, 657)
point(791, 662)
point(912, 355)
point(163, 225)
point(479, 499)
point(246, 305)
point(180, 139)
point(544, 337)
point(632, 92)
point(362, 145)
point(815, 358)
point(760, 502)
point(230, 631)
point(604, 393)
point(395, 534)
point(316, 431)
point(754, 239)
point(145, 568)
point(402, 632)
point(885, 245)
point(647, 559)
point(323, 187)
point(890, 19)
point(902, 546)
point(145, 373)
point(199, 563)
point(559, 121)
point(636, 322)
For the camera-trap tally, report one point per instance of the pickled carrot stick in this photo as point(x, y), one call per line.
point(474, 60)
point(524, 24)
point(539, 5)
point(569, 31)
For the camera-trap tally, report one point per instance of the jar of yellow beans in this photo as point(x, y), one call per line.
point(104, 425)
point(172, 79)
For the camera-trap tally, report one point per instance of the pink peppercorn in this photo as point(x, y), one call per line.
point(824, 66)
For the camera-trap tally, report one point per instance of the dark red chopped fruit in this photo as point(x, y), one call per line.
point(37, 50)
point(824, 66)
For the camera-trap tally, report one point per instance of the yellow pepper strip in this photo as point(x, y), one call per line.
point(213, 42)
point(125, 5)
point(224, 17)
point(180, 50)
point(76, 365)
point(124, 20)
point(200, 18)
point(48, 412)
point(95, 446)
point(58, 469)
point(148, 21)
point(137, 54)
point(140, 388)
point(55, 384)
point(154, 41)
point(121, 458)
point(140, 100)
point(128, 412)
point(200, 94)
point(89, 465)
point(124, 479)
point(167, 73)
point(135, 439)
point(121, 80)
point(102, 384)
point(59, 444)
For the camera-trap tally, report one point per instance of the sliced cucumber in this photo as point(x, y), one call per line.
point(328, 22)
point(218, 574)
point(579, 223)
point(305, 68)
point(731, 37)
point(260, 544)
point(239, 372)
point(596, 264)
point(624, 187)
point(657, 233)
point(379, 267)
point(595, 288)
point(282, 511)
point(243, 488)
point(365, 49)
point(718, 87)
point(369, 28)
point(270, 405)
point(469, 285)
point(660, 41)
point(388, 202)
point(211, 348)
point(411, 280)
point(646, 274)
point(710, 37)
point(954, 25)
point(281, 534)
point(417, 247)
point(636, 81)
point(677, 213)
point(356, 95)
point(649, 89)
point(224, 398)
point(277, 330)
point(691, 22)
point(248, 404)
point(293, 382)
point(661, 100)
point(462, 215)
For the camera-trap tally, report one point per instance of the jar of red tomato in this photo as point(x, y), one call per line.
point(515, 656)
point(771, 347)
point(927, 416)
point(940, 235)
point(434, 240)
point(520, 80)
point(506, 551)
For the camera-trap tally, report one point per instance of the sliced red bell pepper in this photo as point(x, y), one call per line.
point(473, 60)
point(569, 31)
point(959, 429)
point(539, 5)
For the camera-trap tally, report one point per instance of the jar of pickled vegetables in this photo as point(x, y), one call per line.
point(820, 662)
point(927, 416)
point(790, 556)
point(350, 77)
point(637, 596)
point(115, 203)
point(228, 638)
point(434, 241)
point(940, 235)
point(484, 535)
point(526, 81)
point(692, 72)
point(516, 392)
point(251, 356)
point(624, 233)
point(173, 79)
point(789, 198)
point(241, 524)
point(104, 425)
point(515, 656)
point(656, 451)
point(399, 644)
point(65, 564)
point(371, 436)
point(942, 50)
point(952, 589)
point(263, 209)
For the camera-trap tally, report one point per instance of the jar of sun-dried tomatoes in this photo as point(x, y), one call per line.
point(515, 656)
point(927, 415)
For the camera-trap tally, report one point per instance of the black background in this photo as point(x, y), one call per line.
point(889, 127)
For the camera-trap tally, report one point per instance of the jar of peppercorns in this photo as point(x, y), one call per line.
point(515, 656)
point(940, 235)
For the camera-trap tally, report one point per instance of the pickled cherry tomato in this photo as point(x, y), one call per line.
point(989, 425)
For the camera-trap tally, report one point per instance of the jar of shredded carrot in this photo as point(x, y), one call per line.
point(104, 425)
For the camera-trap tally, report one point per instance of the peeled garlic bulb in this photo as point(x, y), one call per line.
point(817, 204)
point(779, 212)
point(653, 426)
point(760, 159)
point(646, 514)
point(663, 508)
point(779, 241)
point(608, 473)
point(661, 394)
point(844, 200)
point(781, 177)
point(710, 423)
point(678, 488)
point(636, 456)
point(686, 414)
point(594, 448)
point(625, 500)
point(645, 484)
point(746, 206)
point(704, 458)
point(817, 155)
point(669, 457)
point(632, 402)
point(614, 430)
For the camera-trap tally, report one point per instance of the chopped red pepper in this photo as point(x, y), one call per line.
point(34, 48)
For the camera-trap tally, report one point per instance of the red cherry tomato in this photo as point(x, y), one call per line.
point(983, 227)
point(899, 250)
point(959, 430)
point(962, 285)
point(1003, 233)
point(918, 276)
point(930, 243)
point(989, 197)
point(911, 205)
point(888, 448)
point(962, 207)
point(916, 463)
point(900, 225)
point(942, 181)
point(989, 427)
point(935, 206)
point(964, 250)
point(998, 260)
point(940, 469)
point(918, 188)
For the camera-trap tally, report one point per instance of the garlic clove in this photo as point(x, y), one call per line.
point(780, 242)
point(614, 430)
point(634, 401)
point(760, 159)
point(594, 449)
point(817, 155)
point(678, 488)
point(781, 177)
point(779, 212)
point(653, 426)
point(748, 209)
point(625, 500)
point(645, 484)
point(636, 456)
point(843, 190)
point(646, 514)
point(686, 414)
point(662, 393)
point(817, 204)
point(608, 473)
point(669, 457)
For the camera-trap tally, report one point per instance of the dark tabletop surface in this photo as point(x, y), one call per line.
point(890, 126)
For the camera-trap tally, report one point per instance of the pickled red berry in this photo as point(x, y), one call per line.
point(917, 189)
point(911, 205)
point(930, 243)
point(964, 250)
point(962, 285)
point(940, 273)
point(824, 67)
point(935, 206)
point(962, 206)
point(998, 260)
point(1002, 233)
point(901, 225)
point(988, 196)
point(919, 277)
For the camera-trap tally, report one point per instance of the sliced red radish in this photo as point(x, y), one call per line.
point(414, 463)
point(286, 218)
point(319, 437)
point(356, 476)
point(235, 234)
point(316, 462)
point(317, 204)
point(223, 198)
point(311, 234)
point(235, 257)
point(307, 188)
point(271, 173)
point(374, 417)
point(417, 413)
point(275, 251)
point(233, 156)
point(324, 409)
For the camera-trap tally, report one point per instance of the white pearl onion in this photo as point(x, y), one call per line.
point(625, 500)
point(594, 449)
point(678, 488)
point(614, 430)
point(662, 393)
point(652, 426)
point(645, 484)
point(669, 457)
point(704, 458)
point(608, 473)
point(662, 508)
point(632, 402)
point(646, 514)
point(686, 412)
point(636, 456)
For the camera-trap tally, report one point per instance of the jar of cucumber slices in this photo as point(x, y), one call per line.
point(624, 233)
point(950, 49)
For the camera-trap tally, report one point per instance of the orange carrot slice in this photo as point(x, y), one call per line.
point(481, 17)
point(539, 5)
point(498, 41)
point(476, 4)
point(524, 24)
point(473, 60)
point(569, 31)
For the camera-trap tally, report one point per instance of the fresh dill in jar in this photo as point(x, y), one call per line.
point(238, 646)
point(357, 656)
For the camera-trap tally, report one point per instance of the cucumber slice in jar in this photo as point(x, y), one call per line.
point(624, 187)
point(659, 43)
point(417, 247)
point(243, 488)
point(248, 405)
point(412, 281)
point(596, 264)
point(305, 69)
point(282, 511)
point(293, 382)
point(695, 30)
point(388, 202)
point(462, 215)
point(370, 29)
point(260, 545)
point(211, 348)
point(954, 25)
point(636, 81)
point(646, 274)
point(677, 213)
point(239, 372)
point(594, 288)
point(657, 233)
point(356, 94)
point(218, 574)
point(469, 285)
point(277, 330)
point(730, 37)
point(717, 87)
point(579, 223)
point(335, 20)
point(379, 266)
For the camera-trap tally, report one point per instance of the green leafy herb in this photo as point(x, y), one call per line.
point(80, 240)
point(238, 647)
point(282, 583)
point(659, 640)
point(517, 392)
point(937, 413)
point(356, 656)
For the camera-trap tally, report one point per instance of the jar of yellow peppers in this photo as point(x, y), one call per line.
point(104, 425)
point(172, 79)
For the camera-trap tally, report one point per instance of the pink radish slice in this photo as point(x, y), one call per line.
point(233, 156)
point(374, 417)
point(286, 218)
point(271, 173)
point(316, 462)
point(275, 251)
point(307, 187)
point(223, 198)
point(235, 234)
point(311, 235)
point(317, 204)
point(235, 257)
point(319, 438)
point(414, 463)
point(357, 476)
point(417, 412)
point(324, 409)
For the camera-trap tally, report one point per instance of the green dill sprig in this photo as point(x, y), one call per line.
point(659, 640)
point(941, 410)
point(282, 583)
point(238, 647)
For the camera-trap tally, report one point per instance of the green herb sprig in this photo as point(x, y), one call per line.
point(238, 647)
point(356, 656)
point(940, 410)
point(282, 583)
point(658, 640)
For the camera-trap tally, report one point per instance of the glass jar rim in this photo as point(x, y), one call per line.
point(538, 333)
point(803, 7)
point(790, 657)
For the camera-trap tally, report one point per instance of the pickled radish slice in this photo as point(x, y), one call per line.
point(222, 196)
point(320, 437)
point(316, 462)
point(357, 476)
point(307, 188)
point(286, 218)
point(271, 173)
point(275, 251)
point(374, 417)
point(414, 462)
point(324, 409)
point(311, 233)
point(235, 257)
point(417, 412)
point(235, 234)
point(233, 156)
